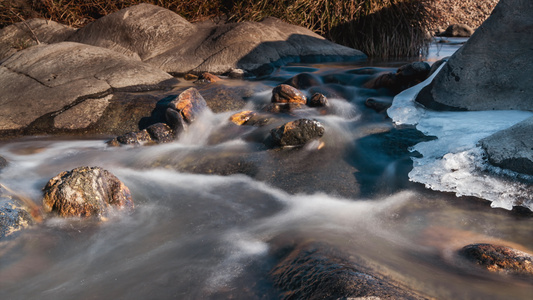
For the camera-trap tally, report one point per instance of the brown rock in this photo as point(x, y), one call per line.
point(297, 133)
point(136, 138)
point(209, 78)
point(190, 77)
point(304, 81)
point(85, 192)
point(285, 93)
point(276, 108)
point(242, 117)
point(499, 258)
point(318, 100)
point(161, 133)
point(190, 104)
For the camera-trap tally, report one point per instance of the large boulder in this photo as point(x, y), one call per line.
point(164, 39)
point(493, 69)
point(68, 86)
point(86, 192)
point(22, 35)
point(512, 148)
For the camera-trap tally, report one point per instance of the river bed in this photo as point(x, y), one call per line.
point(197, 234)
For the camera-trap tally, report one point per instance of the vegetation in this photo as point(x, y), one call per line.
point(380, 28)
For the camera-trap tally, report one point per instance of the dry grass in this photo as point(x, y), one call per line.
point(380, 28)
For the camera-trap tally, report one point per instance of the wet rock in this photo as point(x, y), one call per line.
point(512, 148)
point(405, 77)
point(435, 66)
point(314, 270)
point(208, 78)
point(297, 133)
point(64, 87)
point(285, 93)
point(160, 133)
point(276, 108)
point(492, 70)
point(13, 217)
point(18, 36)
point(190, 104)
point(235, 73)
point(136, 138)
point(499, 258)
point(3, 163)
point(377, 104)
point(222, 98)
point(86, 192)
point(457, 30)
point(175, 121)
point(242, 117)
point(318, 100)
point(190, 77)
point(304, 81)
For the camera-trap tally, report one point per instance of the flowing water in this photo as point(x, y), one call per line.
point(212, 206)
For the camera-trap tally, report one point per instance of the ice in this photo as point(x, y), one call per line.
point(454, 162)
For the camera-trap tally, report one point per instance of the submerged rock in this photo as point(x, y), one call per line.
point(316, 271)
point(297, 133)
point(500, 259)
point(86, 192)
point(492, 70)
point(512, 148)
point(285, 93)
point(13, 217)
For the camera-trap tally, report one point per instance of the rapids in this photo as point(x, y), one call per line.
point(212, 206)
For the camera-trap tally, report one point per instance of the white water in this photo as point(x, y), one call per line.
point(454, 162)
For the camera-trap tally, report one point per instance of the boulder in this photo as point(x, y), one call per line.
point(493, 69)
point(457, 30)
point(304, 81)
point(242, 117)
point(318, 100)
point(67, 86)
point(297, 133)
point(285, 93)
point(499, 259)
point(29, 33)
point(314, 270)
point(164, 39)
point(190, 104)
point(512, 148)
point(86, 192)
point(13, 217)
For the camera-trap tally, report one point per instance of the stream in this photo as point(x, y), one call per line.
point(212, 206)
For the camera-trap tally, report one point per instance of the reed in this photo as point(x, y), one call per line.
point(380, 28)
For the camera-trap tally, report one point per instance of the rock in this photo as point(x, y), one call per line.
point(155, 134)
point(3, 163)
point(304, 81)
point(208, 78)
point(297, 133)
point(499, 259)
point(136, 138)
point(175, 121)
point(377, 104)
point(190, 77)
point(18, 36)
point(492, 70)
point(284, 93)
point(237, 73)
point(190, 104)
point(13, 217)
point(405, 77)
point(86, 192)
point(223, 98)
point(276, 108)
point(318, 100)
point(242, 117)
point(84, 76)
point(160, 133)
point(179, 47)
point(314, 270)
point(457, 30)
point(512, 148)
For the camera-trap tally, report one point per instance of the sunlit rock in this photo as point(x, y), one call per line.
point(13, 217)
point(190, 104)
point(208, 78)
point(499, 259)
point(242, 117)
point(297, 133)
point(86, 192)
point(285, 93)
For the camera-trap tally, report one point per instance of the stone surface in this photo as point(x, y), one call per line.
point(160, 133)
point(377, 104)
point(304, 81)
point(190, 104)
point(492, 70)
point(285, 93)
point(500, 259)
point(13, 217)
point(18, 36)
point(297, 133)
point(405, 77)
point(316, 271)
point(64, 86)
point(318, 100)
point(512, 148)
point(166, 40)
point(3, 163)
point(86, 192)
point(242, 117)
point(458, 30)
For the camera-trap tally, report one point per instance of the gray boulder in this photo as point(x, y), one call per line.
point(164, 39)
point(68, 86)
point(512, 148)
point(493, 69)
point(22, 35)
